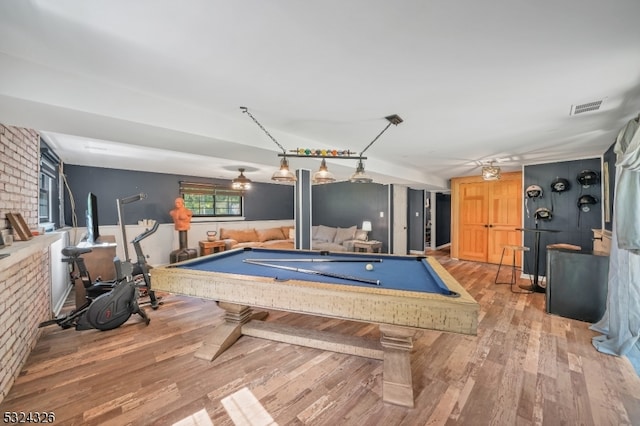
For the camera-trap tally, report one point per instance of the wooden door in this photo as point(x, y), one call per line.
point(505, 215)
point(472, 238)
point(484, 217)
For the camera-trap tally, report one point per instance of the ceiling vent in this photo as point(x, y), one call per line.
point(586, 107)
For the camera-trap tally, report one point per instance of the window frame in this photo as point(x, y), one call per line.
point(46, 180)
point(217, 194)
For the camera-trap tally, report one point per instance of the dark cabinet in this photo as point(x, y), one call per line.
point(577, 284)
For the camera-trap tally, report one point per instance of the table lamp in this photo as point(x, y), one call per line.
point(366, 226)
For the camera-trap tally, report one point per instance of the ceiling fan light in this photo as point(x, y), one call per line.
point(490, 172)
point(360, 176)
point(284, 174)
point(241, 183)
point(323, 175)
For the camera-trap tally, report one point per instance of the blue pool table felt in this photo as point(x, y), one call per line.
point(408, 273)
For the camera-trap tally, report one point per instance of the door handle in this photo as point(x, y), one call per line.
point(490, 226)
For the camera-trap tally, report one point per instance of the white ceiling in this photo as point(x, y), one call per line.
point(157, 85)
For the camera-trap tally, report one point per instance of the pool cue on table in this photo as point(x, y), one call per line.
point(318, 260)
point(312, 272)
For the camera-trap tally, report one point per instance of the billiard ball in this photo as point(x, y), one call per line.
point(369, 267)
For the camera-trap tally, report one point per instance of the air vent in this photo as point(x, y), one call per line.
point(586, 107)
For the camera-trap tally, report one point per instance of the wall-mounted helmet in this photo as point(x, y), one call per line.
point(560, 185)
point(543, 213)
point(534, 191)
point(586, 178)
point(586, 201)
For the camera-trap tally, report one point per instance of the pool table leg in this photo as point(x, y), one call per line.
point(226, 334)
point(397, 384)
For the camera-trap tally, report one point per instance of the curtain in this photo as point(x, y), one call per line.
point(620, 325)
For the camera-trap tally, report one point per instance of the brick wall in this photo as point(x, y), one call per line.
point(24, 303)
point(19, 168)
point(24, 282)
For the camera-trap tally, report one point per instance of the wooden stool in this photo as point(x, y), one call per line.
point(514, 249)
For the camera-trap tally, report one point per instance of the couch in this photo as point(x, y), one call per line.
point(275, 238)
point(335, 238)
point(323, 238)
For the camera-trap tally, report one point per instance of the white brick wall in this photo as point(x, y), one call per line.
point(19, 168)
point(24, 286)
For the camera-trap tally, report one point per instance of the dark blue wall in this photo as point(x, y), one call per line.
point(574, 226)
point(263, 201)
point(345, 204)
point(416, 221)
point(443, 219)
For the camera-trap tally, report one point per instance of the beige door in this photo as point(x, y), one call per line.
point(485, 215)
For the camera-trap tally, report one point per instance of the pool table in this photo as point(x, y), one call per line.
point(399, 293)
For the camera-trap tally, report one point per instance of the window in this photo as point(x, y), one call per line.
point(49, 207)
point(46, 188)
point(44, 200)
point(208, 200)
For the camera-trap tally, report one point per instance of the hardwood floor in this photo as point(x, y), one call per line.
point(524, 367)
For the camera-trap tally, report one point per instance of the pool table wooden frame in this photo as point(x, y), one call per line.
point(398, 313)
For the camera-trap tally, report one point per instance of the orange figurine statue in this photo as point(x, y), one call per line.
point(181, 216)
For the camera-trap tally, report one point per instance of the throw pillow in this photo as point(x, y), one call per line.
point(344, 234)
point(270, 234)
point(325, 233)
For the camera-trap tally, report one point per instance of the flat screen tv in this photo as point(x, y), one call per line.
point(93, 232)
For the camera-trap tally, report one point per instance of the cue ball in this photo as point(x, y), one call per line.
point(369, 267)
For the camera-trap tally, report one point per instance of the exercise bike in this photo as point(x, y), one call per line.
point(109, 304)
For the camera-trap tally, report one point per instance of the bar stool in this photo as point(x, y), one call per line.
point(514, 249)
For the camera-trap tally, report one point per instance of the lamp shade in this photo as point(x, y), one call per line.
point(360, 176)
point(241, 183)
point(284, 174)
point(323, 175)
point(491, 172)
point(366, 225)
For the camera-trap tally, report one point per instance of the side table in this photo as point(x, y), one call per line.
point(210, 247)
point(371, 246)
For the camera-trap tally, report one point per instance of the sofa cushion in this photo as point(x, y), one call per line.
point(248, 244)
point(325, 233)
point(278, 244)
point(324, 245)
point(360, 235)
point(343, 234)
point(240, 235)
point(286, 231)
point(270, 234)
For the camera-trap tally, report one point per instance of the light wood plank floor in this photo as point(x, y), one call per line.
point(524, 367)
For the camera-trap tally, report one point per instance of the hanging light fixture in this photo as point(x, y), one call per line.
point(284, 174)
point(360, 176)
point(490, 172)
point(323, 175)
point(241, 183)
